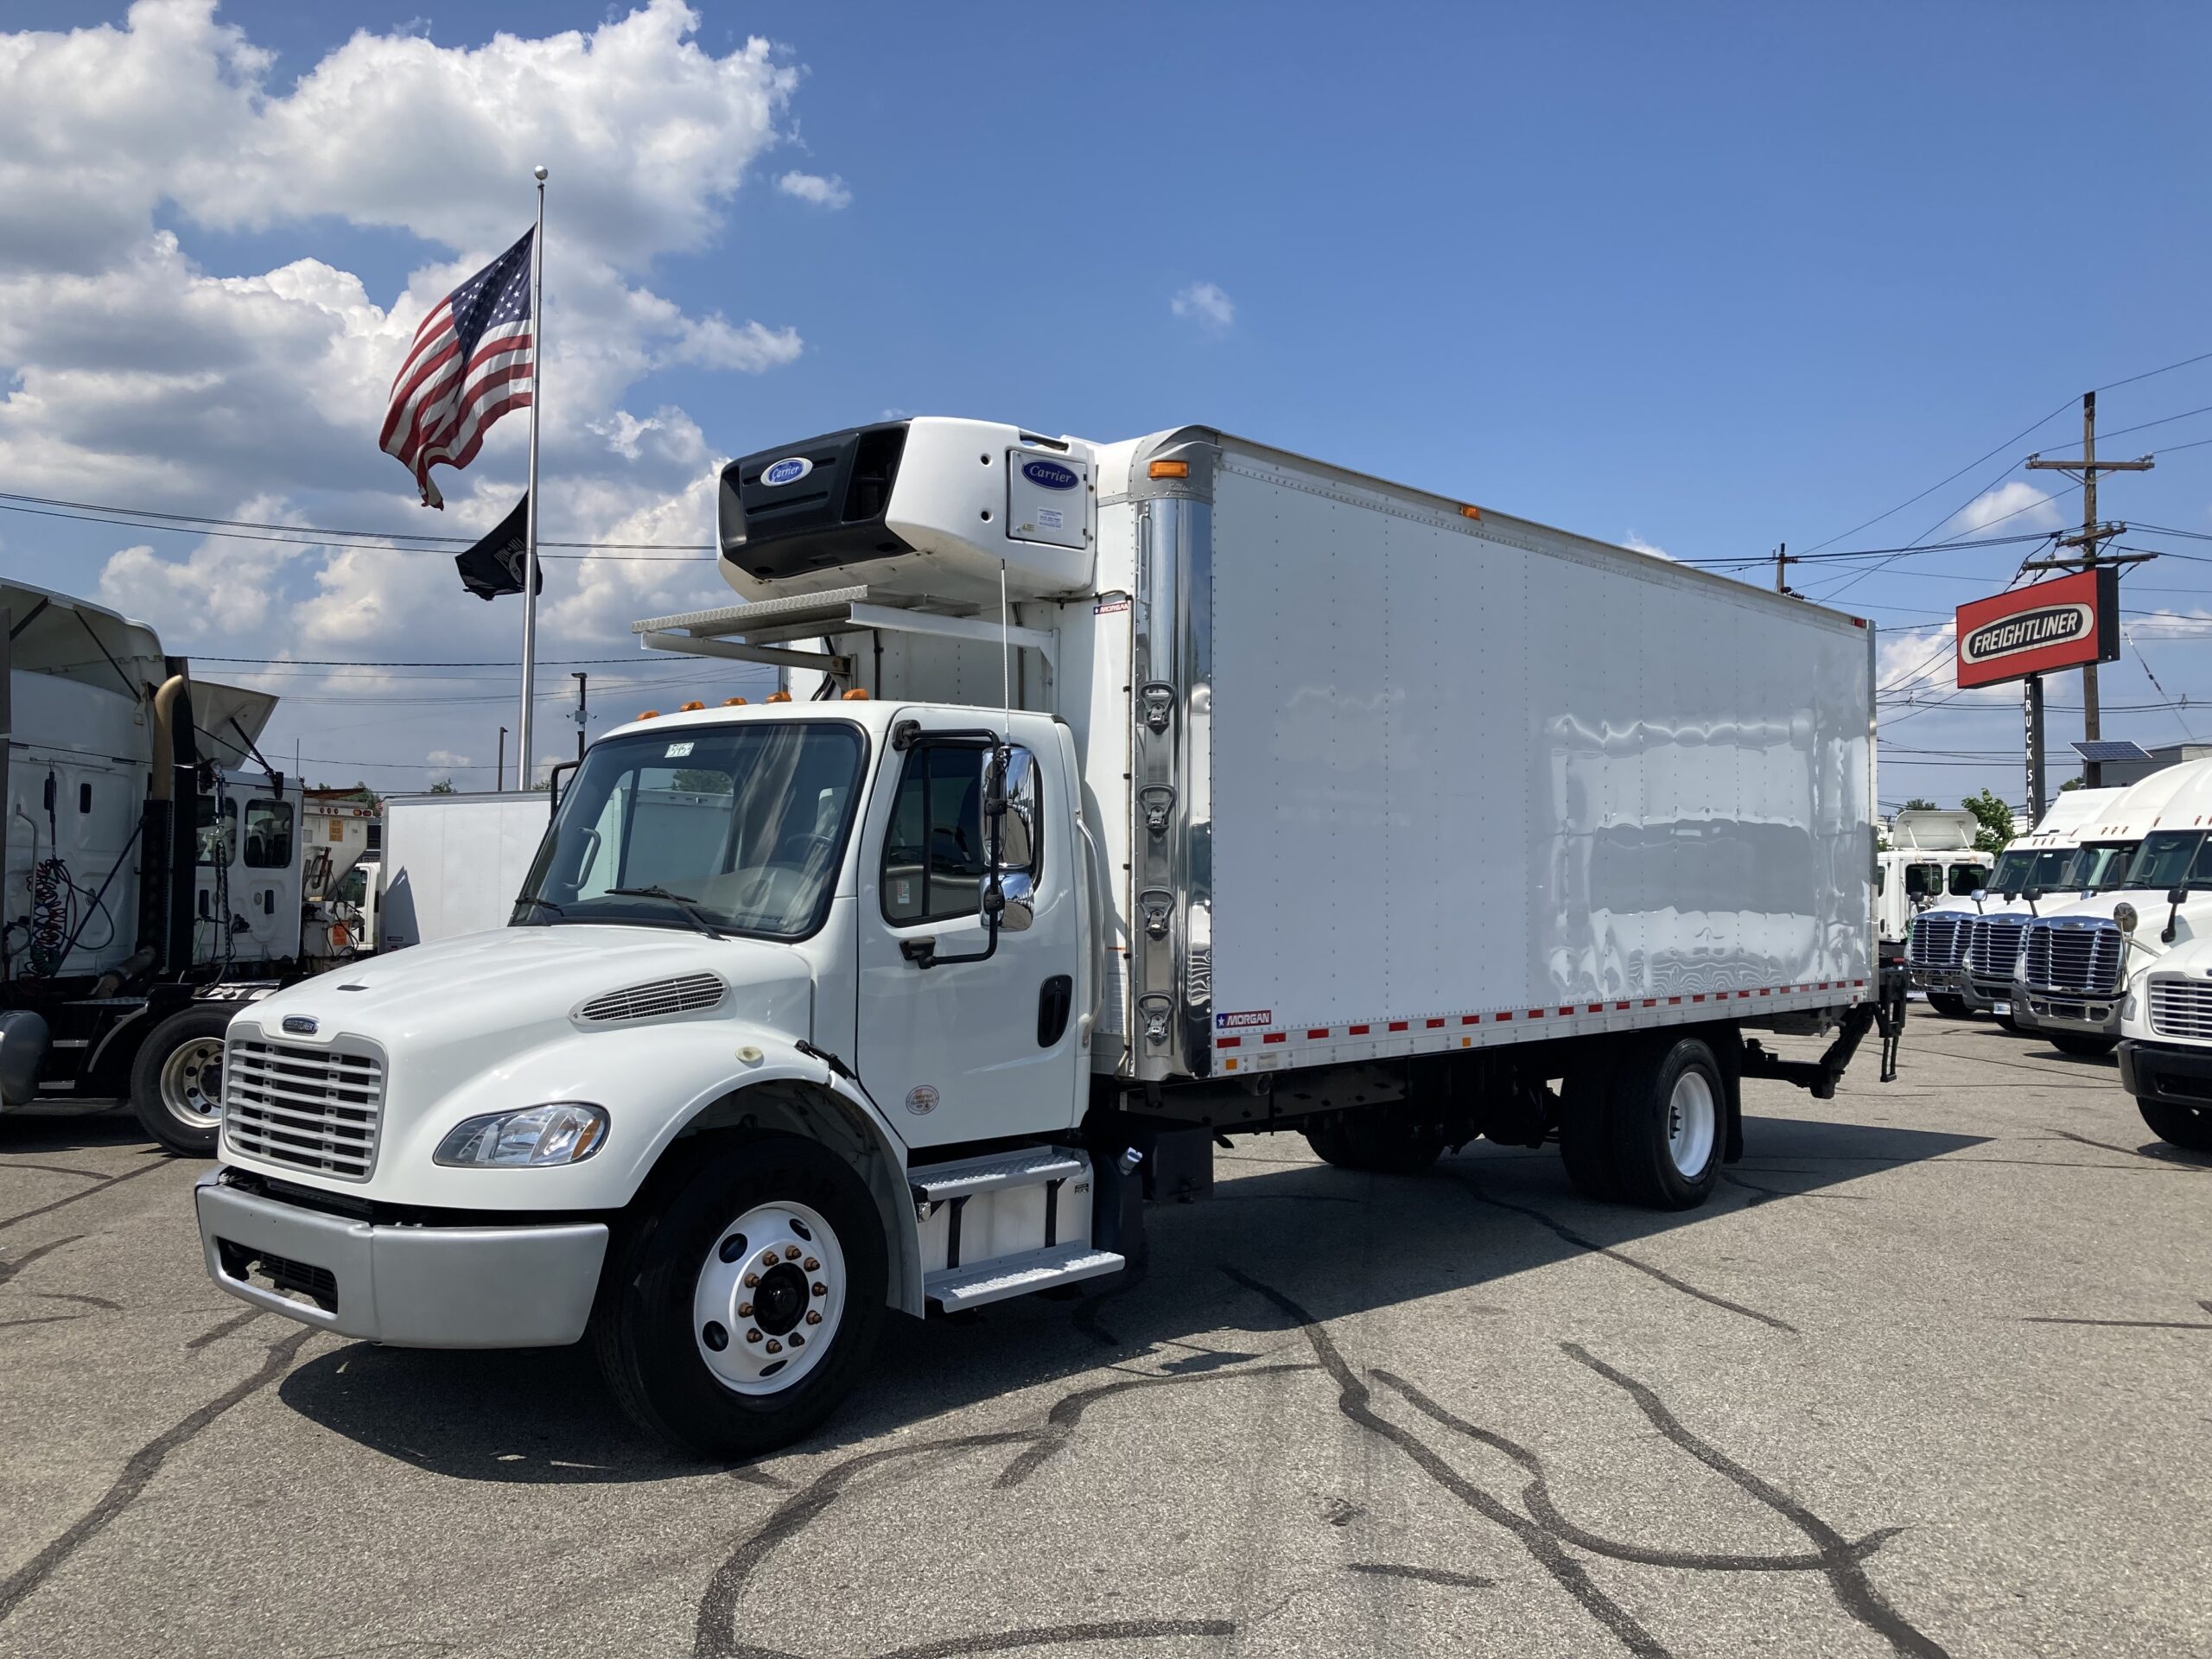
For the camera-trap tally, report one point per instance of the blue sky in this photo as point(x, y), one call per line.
point(1710, 278)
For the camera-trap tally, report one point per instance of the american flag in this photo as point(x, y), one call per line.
point(469, 364)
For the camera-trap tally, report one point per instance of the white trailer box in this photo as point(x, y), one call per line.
point(1143, 791)
point(452, 864)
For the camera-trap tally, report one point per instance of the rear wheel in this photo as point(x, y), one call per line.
point(1951, 1007)
point(1585, 1132)
point(736, 1318)
point(2081, 1042)
point(2181, 1126)
point(176, 1082)
point(1379, 1144)
point(1668, 1110)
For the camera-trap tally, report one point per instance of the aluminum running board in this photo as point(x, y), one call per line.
point(1030, 1166)
point(954, 1289)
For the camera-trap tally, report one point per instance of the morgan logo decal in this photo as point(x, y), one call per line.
point(789, 470)
point(2052, 625)
point(921, 1100)
point(1238, 1021)
point(1050, 475)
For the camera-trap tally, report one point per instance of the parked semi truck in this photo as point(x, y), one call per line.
point(1147, 792)
point(152, 876)
point(2075, 958)
point(2166, 1030)
point(2047, 858)
point(1930, 856)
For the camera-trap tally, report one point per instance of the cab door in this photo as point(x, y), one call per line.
point(969, 1050)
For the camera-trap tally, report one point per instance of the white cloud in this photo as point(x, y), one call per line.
point(2017, 505)
point(1636, 543)
point(1205, 304)
point(1912, 661)
point(829, 193)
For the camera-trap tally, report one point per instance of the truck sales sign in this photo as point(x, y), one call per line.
point(2053, 625)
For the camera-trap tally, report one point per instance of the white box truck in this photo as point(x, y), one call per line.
point(1930, 856)
point(1148, 791)
point(451, 864)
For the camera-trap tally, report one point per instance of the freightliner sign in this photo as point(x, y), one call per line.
point(2063, 624)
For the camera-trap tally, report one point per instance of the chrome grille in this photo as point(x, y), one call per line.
point(660, 997)
point(2064, 957)
point(1939, 939)
point(1994, 946)
point(312, 1109)
point(2181, 1008)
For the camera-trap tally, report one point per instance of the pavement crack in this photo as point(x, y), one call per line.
point(15, 1265)
point(217, 1332)
point(87, 1191)
point(2127, 1325)
point(1355, 1400)
point(1088, 1310)
point(78, 1296)
point(143, 1465)
point(1067, 1411)
point(1425, 1574)
point(2173, 1160)
point(1563, 1231)
point(1057, 1636)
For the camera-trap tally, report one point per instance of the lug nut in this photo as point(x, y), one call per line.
point(744, 1310)
point(821, 1289)
point(775, 1347)
point(791, 1252)
point(753, 1335)
point(732, 1247)
point(813, 1317)
point(714, 1336)
point(750, 1279)
point(810, 1264)
point(798, 1340)
point(767, 1258)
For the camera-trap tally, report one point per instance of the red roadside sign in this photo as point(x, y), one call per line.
point(2066, 623)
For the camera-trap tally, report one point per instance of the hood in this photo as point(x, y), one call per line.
point(443, 1014)
point(2098, 906)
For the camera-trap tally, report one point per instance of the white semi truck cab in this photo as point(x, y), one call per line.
point(2165, 1037)
point(1930, 857)
point(1126, 801)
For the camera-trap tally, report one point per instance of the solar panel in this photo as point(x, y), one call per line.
point(2112, 749)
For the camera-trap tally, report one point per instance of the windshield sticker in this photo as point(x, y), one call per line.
point(676, 751)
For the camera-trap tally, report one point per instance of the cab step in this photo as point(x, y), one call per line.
point(1030, 1166)
point(954, 1289)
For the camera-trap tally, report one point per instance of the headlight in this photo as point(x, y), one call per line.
point(2123, 917)
point(566, 1132)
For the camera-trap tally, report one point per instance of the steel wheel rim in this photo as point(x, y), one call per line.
point(191, 1083)
point(1693, 1116)
point(768, 1336)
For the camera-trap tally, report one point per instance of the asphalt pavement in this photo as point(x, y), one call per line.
point(1931, 1376)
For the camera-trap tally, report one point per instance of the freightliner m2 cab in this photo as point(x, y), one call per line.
point(1122, 796)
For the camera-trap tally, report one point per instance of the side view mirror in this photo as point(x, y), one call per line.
point(1980, 896)
point(2177, 895)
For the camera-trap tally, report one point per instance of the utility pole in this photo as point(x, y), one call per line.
point(1782, 560)
point(500, 770)
point(2092, 534)
point(583, 709)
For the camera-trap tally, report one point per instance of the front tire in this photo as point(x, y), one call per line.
point(737, 1316)
point(2081, 1042)
point(1669, 1124)
point(2187, 1126)
point(177, 1081)
point(1949, 1006)
point(1378, 1144)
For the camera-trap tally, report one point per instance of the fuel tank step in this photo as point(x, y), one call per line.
point(954, 1289)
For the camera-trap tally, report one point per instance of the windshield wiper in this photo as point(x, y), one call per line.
point(542, 904)
point(689, 906)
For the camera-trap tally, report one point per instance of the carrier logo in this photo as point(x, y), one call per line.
point(789, 470)
point(1050, 475)
point(301, 1025)
point(1238, 1021)
point(2051, 625)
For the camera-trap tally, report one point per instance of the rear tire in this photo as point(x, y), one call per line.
point(1950, 1006)
point(1378, 1144)
point(1670, 1110)
point(177, 1081)
point(2081, 1042)
point(704, 1381)
point(1585, 1133)
point(2187, 1126)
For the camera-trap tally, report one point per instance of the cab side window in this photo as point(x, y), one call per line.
point(1923, 880)
point(1964, 878)
point(268, 835)
point(933, 855)
point(218, 831)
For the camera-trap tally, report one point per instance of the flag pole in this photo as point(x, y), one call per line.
point(530, 514)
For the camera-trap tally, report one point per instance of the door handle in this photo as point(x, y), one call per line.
point(1053, 1000)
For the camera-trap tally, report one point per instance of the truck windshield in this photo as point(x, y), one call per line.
point(746, 821)
point(2173, 858)
point(2098, 867)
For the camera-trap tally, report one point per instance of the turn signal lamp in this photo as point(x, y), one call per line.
point(649, 714)
point(688, 707)
point(1170, 469)
point(856, 695)
point(1470, 512)
point(777, 697)
point(733, 703)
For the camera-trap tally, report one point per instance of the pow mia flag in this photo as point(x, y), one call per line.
point(494, 565)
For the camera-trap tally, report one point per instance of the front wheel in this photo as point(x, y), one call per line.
point(735, 1320)
point(1950, 1005)
point(2081, 1042)
point(2187, 1127)
point(176, 1082)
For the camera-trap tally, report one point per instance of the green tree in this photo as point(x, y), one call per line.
point(1995, 818)
point(1915, 805)
point(444, 786)
point(2071, 782)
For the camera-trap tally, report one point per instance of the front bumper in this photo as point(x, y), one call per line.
point(1939, 982)
point(527, 1286)
point(2092, 1014)
point(2167, 1072)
